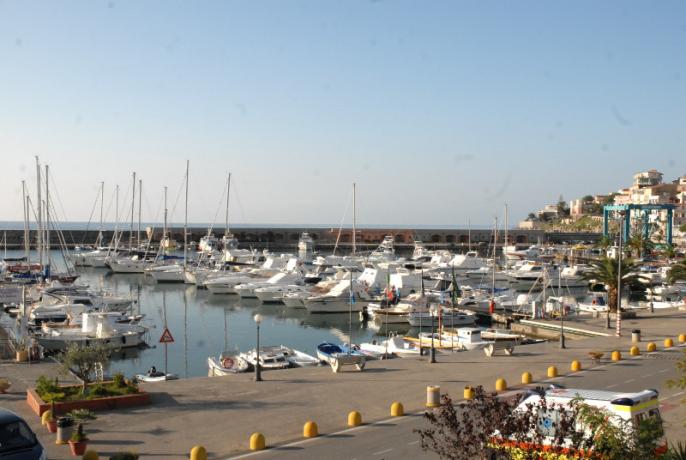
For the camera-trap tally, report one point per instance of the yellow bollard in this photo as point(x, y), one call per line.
point(93, 455)
point(47, 416)
point(634, 351)
point(576, 366)
point(257, 441)
point(310, 430)
point(468, 392)
point(552, 372)
point(682, 338)
point(433, 396)
point(669, 343)
point(354, 418)
point(397, 409)
point(651, 347)
point(616, 356)
point(526, 378)
point(199, 453)
point(500, 385)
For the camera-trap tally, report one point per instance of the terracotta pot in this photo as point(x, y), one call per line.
point(77, 448)
point(52, 426)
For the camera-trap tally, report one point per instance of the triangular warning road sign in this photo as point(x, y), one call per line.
point(166, 337)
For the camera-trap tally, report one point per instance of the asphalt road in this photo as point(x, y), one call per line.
point(394, 438)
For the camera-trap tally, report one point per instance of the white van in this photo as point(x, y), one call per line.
point(632, 407)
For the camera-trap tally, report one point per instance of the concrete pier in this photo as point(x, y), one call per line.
point(220, 413)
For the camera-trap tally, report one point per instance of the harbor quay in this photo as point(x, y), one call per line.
point(221, 413)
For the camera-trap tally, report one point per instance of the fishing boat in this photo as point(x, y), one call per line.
point(298, 358)
point(153, 375)
point(401, 347)
point(226, 364)
point(448, 317)
point(336, 357)
point(270, 358)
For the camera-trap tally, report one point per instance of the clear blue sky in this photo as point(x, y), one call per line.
point(440, 111)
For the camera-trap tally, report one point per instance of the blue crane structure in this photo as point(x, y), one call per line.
point(644, 210)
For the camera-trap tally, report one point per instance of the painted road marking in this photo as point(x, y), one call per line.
point(630, 380)
point(382, 452)
point(412, 443)
point(612, 386)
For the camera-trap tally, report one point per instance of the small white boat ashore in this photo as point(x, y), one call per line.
point(270, 358)
point(226, 364)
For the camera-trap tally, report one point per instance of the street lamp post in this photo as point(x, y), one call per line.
point(618, 331)
point(258, 370)
point(432, 357)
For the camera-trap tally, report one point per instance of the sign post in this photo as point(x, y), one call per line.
point(166, 339)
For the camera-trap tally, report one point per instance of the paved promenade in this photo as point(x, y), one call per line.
point(220, 413)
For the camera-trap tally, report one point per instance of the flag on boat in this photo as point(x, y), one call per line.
point(352, 298)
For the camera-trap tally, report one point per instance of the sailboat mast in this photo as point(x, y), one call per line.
point(47, 219)
point(185, 222)
point(507, 240)
point(469, 235)
point(164, 228)
point(495, 248)
point(354, 230)
point(350, 320)
point(39, 233)
point(133, 209)
point(228, 193)
point(140, 202)
point(25, 204)
point(102, 204)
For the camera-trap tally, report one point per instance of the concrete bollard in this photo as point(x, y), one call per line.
point(616, 356)
point(500, 385)
point(634, 351)
point(669, 343)
point(433, 396)
point(93, 455)
point(310, 430)
point(257, 441)
point(682, 338)
point(354, 418)
point(526, 378)
point(397, 409)
point(651, 347)
point(468, 393)
point(576, 366)
point(552, 372)
point(198, 453)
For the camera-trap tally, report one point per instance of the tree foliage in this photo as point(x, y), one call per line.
point(489, 427)
point(82, 361)
point(605, 271)
point(677, 272)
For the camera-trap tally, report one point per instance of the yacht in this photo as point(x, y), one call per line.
point(278, 294)
point(338, 299)
point(247, 290)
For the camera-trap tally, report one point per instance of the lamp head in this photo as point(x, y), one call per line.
point(258, 318)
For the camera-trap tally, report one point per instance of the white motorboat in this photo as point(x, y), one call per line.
point(226, 284)
point(338, 299)
point(298, 358)
point(465, 338)
point(133, 264)
point(278, 293)
point(167, 273)
point(295, 299)
point(247, 290)
point(401, 347)
point(448, 318)
point(374, 350)
point(390, 314)
point(226, 364)
point(270, 358)
point(96, 328)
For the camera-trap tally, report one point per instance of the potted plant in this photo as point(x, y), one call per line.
point(78, 441)
point(49, 417)
point(4, 385)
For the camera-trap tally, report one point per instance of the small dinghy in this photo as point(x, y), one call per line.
point(336, 357)
point(226, 365)
point(298, 358)
point(153, 375)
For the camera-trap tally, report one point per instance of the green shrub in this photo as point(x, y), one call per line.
point(56, 396)
point(44, 386)
point(98, 391)
point(119, 380)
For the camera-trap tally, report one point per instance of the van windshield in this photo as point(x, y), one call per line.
point(15, 436)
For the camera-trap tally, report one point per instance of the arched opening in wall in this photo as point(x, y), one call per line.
point(450, 239)
point(522, 239)
point(435, 238)
point(295, 237)
point(399, 238)
point(464, 239)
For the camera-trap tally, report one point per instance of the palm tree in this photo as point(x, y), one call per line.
point(604, 270)
point(640, 244)
point(677, 272)
point(604, 242)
